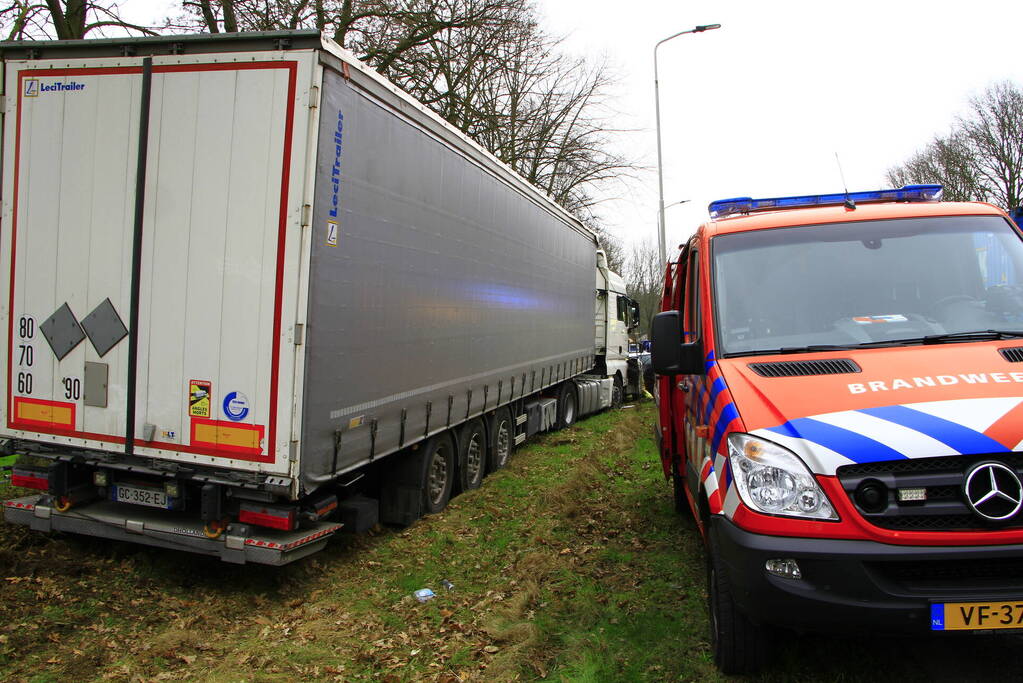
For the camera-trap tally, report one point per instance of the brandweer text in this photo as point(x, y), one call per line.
point(938, 380)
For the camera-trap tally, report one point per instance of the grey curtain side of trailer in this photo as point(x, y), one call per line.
point(435, 287)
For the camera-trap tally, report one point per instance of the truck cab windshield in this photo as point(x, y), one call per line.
point(918, 280)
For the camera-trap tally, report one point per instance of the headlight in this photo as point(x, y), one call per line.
point(773, 480)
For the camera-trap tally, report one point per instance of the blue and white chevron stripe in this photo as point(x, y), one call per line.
point(827, 441)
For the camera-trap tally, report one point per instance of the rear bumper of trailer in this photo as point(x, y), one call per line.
point(239, 544)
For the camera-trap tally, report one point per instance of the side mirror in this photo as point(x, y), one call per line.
point(668, 355)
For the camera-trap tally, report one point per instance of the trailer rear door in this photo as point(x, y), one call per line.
point(215, 253)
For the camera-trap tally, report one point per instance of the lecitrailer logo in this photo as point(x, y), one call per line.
point(33, 87)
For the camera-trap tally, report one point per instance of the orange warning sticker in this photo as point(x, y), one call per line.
point(200, 393)
point(228, 436)
point(39, 413)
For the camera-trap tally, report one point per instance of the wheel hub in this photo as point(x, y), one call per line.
point(438, 478)
point(473, 457)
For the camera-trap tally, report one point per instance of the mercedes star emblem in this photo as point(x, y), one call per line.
point(993, 491)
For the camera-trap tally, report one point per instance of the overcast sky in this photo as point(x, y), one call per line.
point(761, 106)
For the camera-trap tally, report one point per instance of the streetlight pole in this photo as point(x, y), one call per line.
point(661, 238)
point(660, 234)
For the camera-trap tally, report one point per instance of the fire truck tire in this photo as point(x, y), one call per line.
point(739, 646)
point(439, 473)
point(472, 455)
point(502, 438)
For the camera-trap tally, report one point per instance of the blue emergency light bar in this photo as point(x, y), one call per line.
point(723, 208)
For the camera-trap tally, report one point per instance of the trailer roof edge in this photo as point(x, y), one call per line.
point(171, 44)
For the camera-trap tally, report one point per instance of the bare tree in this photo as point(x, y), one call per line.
point(994, 128)
point(64, 19)
point(643, 278)
point(612, 246)
point(982, 158)
point(949, 161)
point(509, 86)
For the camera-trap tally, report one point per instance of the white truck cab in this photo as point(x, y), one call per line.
point(616, 315)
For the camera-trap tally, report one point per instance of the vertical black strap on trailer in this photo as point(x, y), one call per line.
point(136, 254)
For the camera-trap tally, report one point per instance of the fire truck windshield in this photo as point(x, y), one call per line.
point(916, 280)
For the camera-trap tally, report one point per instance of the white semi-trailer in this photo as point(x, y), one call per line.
point(253, 293)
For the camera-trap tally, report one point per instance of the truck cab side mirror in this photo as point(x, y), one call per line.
point(668, 355)
point(634, 316)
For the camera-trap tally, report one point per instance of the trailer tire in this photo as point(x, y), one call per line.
point(502, 437)
point(472, 455)
point(568, 405)
point(439, 473)
point(739, 646)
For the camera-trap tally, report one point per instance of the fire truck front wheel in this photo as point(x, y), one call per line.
point(739, 646)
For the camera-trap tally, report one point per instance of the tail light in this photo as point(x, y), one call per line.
point(272, 516)
point(30, 478)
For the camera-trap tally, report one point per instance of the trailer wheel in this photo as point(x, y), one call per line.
point(739, 646)
point(617, 393)
point(472, 455)
point(439, 474)
point(501, 438)
point(567, 405)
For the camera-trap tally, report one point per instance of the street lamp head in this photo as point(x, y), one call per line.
point(661, 241)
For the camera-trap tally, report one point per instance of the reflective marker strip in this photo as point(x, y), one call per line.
point(30, 480)
point(32, 411)
point(227, 436)
point(258, 543)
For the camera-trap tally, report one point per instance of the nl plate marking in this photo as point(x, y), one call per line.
point(974, 616)
point(137, 495)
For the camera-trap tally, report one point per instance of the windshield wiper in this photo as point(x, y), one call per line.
point(812, 348)
point(976, 335)
point(948, 337)
point(816, 347)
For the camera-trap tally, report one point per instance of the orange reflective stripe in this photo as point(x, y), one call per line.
point(44, 413)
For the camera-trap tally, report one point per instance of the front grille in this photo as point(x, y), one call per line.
point(931, 575)
point(805, 368)
point(945, 507)
point(958, 463)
